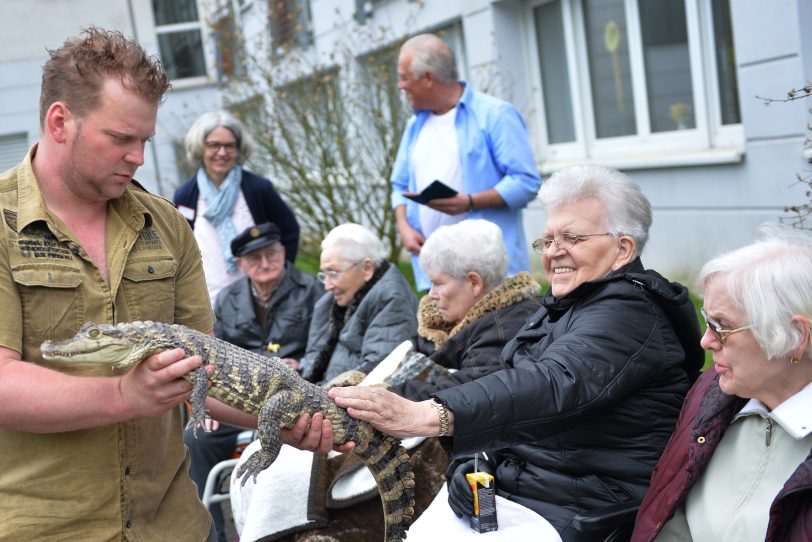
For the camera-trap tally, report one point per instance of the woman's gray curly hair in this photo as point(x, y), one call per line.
point(627, 210)
point(202, 127)
point(356, 243)
point(770, 280)
point(470, 245)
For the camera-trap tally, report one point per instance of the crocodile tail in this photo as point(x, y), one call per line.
point(390, 466)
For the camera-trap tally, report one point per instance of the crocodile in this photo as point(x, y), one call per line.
point(260, 385)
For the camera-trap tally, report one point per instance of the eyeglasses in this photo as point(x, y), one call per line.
point(721, 333)
point(256, 257)
point(333, 275)
point(565, 241)
point(216, 146)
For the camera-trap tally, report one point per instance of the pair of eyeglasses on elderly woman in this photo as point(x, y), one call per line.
point(565, 241)
point(333, 275)
point(215, 146)
point(721, 332)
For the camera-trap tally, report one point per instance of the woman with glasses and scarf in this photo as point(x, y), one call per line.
point(590, 387)
point(739, 465)
point(223, 198)
point(369, 307)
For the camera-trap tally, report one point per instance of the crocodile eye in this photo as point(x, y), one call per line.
point(93, 333)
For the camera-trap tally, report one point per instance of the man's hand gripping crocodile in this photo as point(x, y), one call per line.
point(265, 387)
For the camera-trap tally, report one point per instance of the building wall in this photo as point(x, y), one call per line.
point(699, 208)
point(28, 28)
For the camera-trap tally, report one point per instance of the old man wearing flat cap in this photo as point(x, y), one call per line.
point(268, 311)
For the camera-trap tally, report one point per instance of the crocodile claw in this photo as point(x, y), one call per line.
point(258, 462)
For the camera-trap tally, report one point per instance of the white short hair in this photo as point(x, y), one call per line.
point(431, 54)
point(627, 210)
point(770, 280)
point(356, 243)
point(470, 245)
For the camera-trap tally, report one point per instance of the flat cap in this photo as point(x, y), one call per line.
point(255, 237)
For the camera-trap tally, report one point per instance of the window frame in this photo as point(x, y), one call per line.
point(199, 25)
point(290, 38)
point(228, 54)
point(708, 142)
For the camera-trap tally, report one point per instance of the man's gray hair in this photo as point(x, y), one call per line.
point(626, 210)
point(431, 54)
point(470, 245)
point(355, 243)
point(770, 280)
point(202, 127)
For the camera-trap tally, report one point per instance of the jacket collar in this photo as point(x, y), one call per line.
point(464, 101)
point(632, 271)
point(515, 289)
point(672, 298)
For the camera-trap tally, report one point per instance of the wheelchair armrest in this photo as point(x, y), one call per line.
point(608, 517)
point(211, 492)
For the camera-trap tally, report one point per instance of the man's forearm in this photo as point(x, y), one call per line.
point(487, 199)
point(401, 221)
point(230, 415)
point(39, 400)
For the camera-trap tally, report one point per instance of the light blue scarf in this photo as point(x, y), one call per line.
point(220, 206)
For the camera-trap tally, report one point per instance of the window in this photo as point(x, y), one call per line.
point(228, 43)
point(313, 105)
point(636, 83)
point(289, 24)
point(180, 38)
point(12, 150)
point(378, 81)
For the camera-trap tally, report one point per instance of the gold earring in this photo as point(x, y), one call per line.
point(793, 360)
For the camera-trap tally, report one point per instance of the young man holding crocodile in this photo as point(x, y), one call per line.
point(81, 242)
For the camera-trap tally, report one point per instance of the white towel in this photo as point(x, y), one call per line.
point(516, 522)
point(278, 502)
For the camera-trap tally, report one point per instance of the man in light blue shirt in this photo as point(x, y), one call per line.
point(475, 143)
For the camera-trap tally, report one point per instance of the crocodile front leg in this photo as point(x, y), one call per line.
point(277, 413)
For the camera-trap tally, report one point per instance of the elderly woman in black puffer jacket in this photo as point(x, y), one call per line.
point(589, 389)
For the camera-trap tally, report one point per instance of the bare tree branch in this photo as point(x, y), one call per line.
point(792, 94)
point(327, 134)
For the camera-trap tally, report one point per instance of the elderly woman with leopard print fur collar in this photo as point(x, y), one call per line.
point(472, 309)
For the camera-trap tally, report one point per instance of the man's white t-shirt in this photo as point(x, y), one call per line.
point(436, 156)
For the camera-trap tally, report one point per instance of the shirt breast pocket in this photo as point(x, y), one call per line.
point(52, 305)
point(149, 289)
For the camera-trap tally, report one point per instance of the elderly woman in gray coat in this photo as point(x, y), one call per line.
point(369, 307)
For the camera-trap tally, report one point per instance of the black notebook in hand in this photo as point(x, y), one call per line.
point(436, 190)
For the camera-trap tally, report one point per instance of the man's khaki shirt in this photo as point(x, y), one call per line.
point(127, 481)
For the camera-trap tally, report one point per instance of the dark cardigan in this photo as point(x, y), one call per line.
point(263, 201)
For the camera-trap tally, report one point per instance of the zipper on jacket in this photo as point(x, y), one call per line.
point(768, 432)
